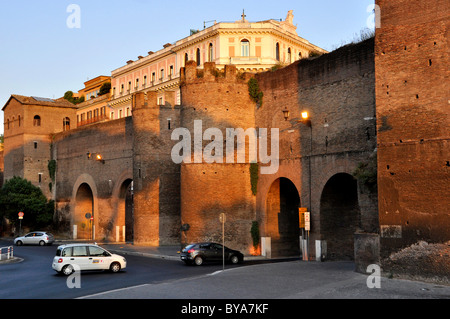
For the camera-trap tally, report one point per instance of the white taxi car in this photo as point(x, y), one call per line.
point(73, 257)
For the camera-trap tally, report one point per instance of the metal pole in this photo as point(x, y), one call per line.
point(223, 243)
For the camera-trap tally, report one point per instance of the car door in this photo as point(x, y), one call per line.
point(29, 238)
point(218, 251)
point(98, 258)
point(207, 251)
point(38, 237)
point(80, 257)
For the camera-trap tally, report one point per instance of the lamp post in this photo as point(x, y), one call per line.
point(306, 120)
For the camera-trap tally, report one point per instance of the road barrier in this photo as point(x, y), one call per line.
point(9, 252)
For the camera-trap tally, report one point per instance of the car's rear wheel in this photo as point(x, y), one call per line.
point(19, 243)
point(67, 270)
point(115, 267)
point(234, 259)
point(42, 243)
point(198, 261)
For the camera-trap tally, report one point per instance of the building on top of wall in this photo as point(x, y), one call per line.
point(95, 106)
point(250, 46)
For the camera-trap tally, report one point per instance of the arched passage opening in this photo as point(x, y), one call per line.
point(84, 204)
point(125, 208)
point(282, 224)
point(339, 216)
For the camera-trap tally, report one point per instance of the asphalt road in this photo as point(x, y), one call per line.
point(33, 278)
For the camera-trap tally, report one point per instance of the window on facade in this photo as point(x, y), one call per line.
point(111, 115)
point(171, 70)
point(210, 52)
point(153, 77)
point(35, 145)
point(186, 58)
point(36, 121)
point(160, 100)
point(137, 83)
point(121, 88)
point(198, 56)
point(289, 55)
point(66, 124)
point(40, 177)
point(18, 118)
point(162, 75)
point(129, 86)
point(277, 52)
point(245, 48)
point(145, 81)
point(128, 111)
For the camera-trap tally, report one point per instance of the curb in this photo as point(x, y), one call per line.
point(11, 261)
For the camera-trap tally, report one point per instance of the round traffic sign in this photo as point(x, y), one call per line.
point(20, 214)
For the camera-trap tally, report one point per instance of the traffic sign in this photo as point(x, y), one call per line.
point(21, 215)
point(301, 216)
point(307, 221)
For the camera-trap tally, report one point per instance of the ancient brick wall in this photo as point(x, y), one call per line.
point(156, 177)
point(84, 184)
point(218, 100)
point(337, 89)
point(413, 130)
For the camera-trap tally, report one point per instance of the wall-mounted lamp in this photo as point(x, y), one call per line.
point(286, 114)
point(305, 118)
point(97, 157)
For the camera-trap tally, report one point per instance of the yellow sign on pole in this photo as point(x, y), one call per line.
point(301, 216)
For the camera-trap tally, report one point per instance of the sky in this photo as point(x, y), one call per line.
point(47, 47)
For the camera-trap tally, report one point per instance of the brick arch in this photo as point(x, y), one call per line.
point(278, 218)
point(84, 183)
point(287, 169)
point(119, 205)
point(339, 215)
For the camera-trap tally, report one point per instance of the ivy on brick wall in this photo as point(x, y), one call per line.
point(254, 91)
point(255, 234)
point(52, 169)
point(254, 168)
point(366, 173)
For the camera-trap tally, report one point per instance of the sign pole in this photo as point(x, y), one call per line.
point(20, 222)
point(222, 219)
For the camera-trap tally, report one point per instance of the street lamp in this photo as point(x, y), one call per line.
point(306, 119)
point(286, 113)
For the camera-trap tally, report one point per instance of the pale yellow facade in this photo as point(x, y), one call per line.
point(251, 46)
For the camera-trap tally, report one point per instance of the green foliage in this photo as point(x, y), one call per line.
point(366, 173)
point(254, 168)
point(74, 100)
point(255, 234)
point(19, 195)
point(105, 88)
point(254, 91)
point(52, 169)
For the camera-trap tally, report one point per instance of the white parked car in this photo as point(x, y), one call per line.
point(35, 238)
point(86, 257)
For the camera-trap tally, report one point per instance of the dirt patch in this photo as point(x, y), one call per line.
point(422, 261)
